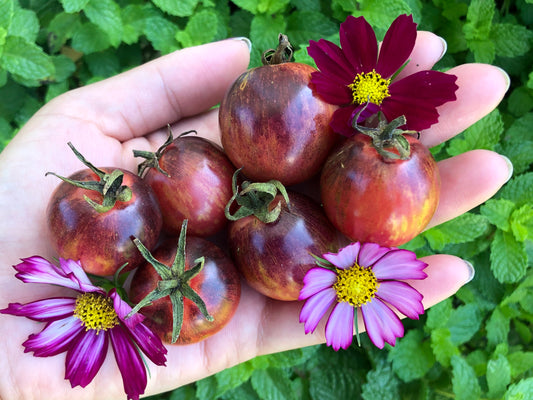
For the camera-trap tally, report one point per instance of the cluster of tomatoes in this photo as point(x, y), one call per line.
point(282, 188)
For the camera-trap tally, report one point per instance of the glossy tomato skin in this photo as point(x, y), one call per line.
point(370, 199)
point(274, 257)
point(102, 241)
point(218, 284)
point(198, 186)
point(274, 125)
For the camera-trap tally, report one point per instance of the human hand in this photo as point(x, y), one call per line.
point(108, 119)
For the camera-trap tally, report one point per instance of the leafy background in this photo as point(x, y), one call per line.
point(478, 344)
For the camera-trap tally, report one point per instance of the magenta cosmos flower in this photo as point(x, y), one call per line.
point(358, 73)
point(83, 326)
point(365, 276)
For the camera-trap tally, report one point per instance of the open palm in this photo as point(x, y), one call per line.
point(108, 119)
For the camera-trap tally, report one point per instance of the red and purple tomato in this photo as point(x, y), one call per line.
point(101, 241)
point(274, 125)
point(372, 199)
point(218, 284)
point(274, 257)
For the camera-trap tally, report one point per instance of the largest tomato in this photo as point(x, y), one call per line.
point(372, 198)
point(274, 126)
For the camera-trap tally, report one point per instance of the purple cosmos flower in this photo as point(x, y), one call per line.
point(83, 326)
point(365, 276)
point(358, 73)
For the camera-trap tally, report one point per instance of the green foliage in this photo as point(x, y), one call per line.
point(476, 344)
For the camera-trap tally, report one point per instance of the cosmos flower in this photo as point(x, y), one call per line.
point(358, 73)
point(367, 277)
point(83, 325)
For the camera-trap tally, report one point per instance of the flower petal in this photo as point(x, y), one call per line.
point(370, 253)
point(399, 264)
point(341, 121)
point(359, 44)
point(397, 46)
point(330, 59)
point(381, 323)
point(403, 297)
point(85, 357)
point(55, 338)
point(339, 328)
point(417, 97)
point(43, 310)
point(316, 280)
point(330, 90)
point(129, 363)
point(315, 307)
point(346, 257)
point(123, 309)
point(76, 273)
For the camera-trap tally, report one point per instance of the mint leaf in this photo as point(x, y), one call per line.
point(106, 14)
point(510, 40)
point(412, 356)
point(498, 212)
point(89, 38)
point(322, 380)
point(73, 6)
point(484, 134)
point(498, 327)
point(520, 391)
point(201, 28)
point(461, 229)
point(522, 223)
point(439, 314)
point(442, 346)
point(303, 26)
point(64, 67)
point(498, 376)
point(272, 384)
point(519, 189)
point(262, 6)
point(7, 10)
point(181, 8)
point(520, 362)
point(520, 154)
point(24, 24)
point(291, 357)
point(464, 322)
point(464, 380)
point(479, 19)
point(26, 59)
point(60, 29)
point(372, 10)
point(103, 64)
point(381, 383)
point(264, 31)
point(508, 258)
point(161, 33)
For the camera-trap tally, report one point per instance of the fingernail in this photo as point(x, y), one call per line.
point(471, 271)
point(506, 77)
point(509, 166)
point(245, 40)
point(444, 47)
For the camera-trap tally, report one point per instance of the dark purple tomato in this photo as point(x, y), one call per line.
point(274, 125)
point(218, 284)
point(102, 240)
point(198, 186)
point(373, 199)
point(274, 257)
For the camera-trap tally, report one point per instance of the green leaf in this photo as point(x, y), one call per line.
point(464, 323)
point(26, 59)
point(464, 380)
point(479, 20)
point(498, 212)
point(381, 383)
point(272, 384)
point(303, 26)
point(161, 33)
point(519, 189)
point(508, 258)
point(306, 5)
point(439, 314)
point(64, 68)
point(374, 12)
point(291, 357)
point(264, 31)
point(73, 6)
point(24, 24)
point(522, 223)
point(520, 362)
point(442, 346)
point(484, 134)
point(322, 380)
point(412, 356)
point(181, 8)
point(461, 229)
point(523, 390)
point(201, 28)
point(498, 327)
point(498, 376)
point(60, 29)
point(520, 154)
point(89, 38)
point(103, 64)
point(230, 378)
point(510, 40)
point(7, 10)
point(107, 15)
point(55, 89)
point(262, 6)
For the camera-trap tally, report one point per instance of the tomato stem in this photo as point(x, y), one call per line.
point(282, 54)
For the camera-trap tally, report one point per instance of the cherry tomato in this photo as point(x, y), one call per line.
point(101, 240)
point(217, 284)
point(370, 198)
point(274, 257)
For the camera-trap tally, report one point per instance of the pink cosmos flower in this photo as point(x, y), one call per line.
point(82, 326)
point(357, 73)
point(365, 276)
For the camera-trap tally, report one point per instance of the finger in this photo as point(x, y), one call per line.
point(481, 88)
point(468, 180)
point(429, 48)
point(172, 87)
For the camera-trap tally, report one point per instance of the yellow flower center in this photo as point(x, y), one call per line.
point(356, 285)
point(369, 86)
point(95, 312)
